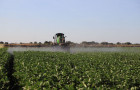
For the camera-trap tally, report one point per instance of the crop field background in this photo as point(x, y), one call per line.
point(41, 70)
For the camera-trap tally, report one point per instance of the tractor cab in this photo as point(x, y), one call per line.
point(59, 39)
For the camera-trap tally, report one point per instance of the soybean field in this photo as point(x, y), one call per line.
point(41, 70)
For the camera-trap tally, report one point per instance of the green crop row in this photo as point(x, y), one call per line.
point(4, 57)
point(55, 70)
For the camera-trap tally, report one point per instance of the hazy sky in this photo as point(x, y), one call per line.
point(79, 20)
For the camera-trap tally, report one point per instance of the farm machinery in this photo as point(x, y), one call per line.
point(59, 43)
point(59, 39)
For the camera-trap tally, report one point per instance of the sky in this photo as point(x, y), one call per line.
point(80, 20)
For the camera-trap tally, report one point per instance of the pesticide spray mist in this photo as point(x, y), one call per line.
point(48, 49)
point(72, 49)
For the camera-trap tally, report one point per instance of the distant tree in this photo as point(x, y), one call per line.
point(21, 43)
point(104, 43)
point(127, 43)
point(6, 42)
point(92, 42)
point(40, 43)
point(46, 42)
point(1, 42)
point(35, 42)
point(118, 43)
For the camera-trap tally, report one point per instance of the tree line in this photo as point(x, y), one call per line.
point(106, 43)
point(70, 42)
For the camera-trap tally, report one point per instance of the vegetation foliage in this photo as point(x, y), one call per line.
point(4, 57)
point(55, 70)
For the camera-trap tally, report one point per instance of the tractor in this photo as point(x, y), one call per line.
point(59, 42)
